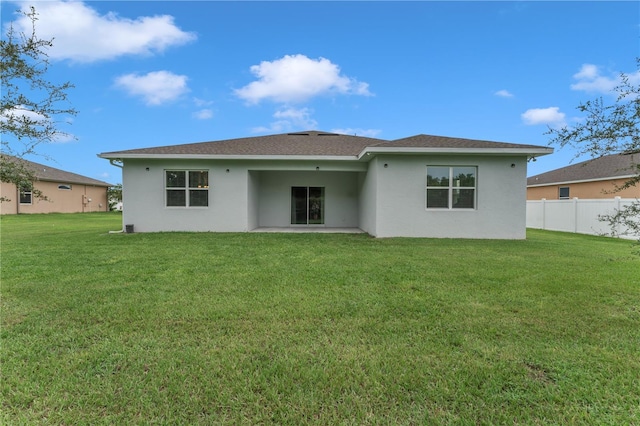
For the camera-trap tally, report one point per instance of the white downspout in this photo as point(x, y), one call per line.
point(112, 161)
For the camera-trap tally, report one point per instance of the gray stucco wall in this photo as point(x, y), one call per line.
point(144, 197)
point(252, 197)
point(368, 198)
point(383, 201)
point(248, 195)
point(401, 198)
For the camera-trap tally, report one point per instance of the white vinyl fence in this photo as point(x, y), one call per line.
point(575, 215)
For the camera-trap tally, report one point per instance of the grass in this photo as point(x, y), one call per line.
point(178, 328)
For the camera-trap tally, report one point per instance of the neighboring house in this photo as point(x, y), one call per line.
point(66, 193)
point(421, 186)
point(592, 179)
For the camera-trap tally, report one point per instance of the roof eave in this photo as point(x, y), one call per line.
point(120, 156)
point(566, 182)
point(364, 155)
point(530, 152)
point(74, 182)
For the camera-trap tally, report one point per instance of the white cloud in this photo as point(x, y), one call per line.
point(289, 119)
point(588, 72)
point(369, 133)
point(297, 117)
point(589, 79)
point(81, 34)
point(39, 121)
point(504, 94)
point(19, 111)
point(550, 116)
point(297, 78)
point(155, 88)
point(64, 138)
point(201, 102)
point(203, 114)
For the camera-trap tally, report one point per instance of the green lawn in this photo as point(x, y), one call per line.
point(178, 328)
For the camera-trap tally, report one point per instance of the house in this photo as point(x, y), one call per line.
point(65, 192)
point(591, 179)
point(576, 198)
point(420, 186)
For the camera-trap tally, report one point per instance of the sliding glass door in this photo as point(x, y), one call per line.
point(307, 205)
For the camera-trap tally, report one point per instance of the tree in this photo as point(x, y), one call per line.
point(114, 196)
point(610, 129)
point(31, 107)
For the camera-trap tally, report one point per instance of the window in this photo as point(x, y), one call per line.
point(187, 188)
point(64, 187)
point(26, 196)
point(563, 192)
point(451, 187)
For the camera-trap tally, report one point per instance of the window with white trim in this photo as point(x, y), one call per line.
point(451, 187)
point(64, 187)
point(26, 196)
point(563, 192)
point(187, 188)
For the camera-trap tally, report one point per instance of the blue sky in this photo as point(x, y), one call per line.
point(155, 73)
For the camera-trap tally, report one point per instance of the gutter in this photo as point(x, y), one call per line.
point(365, 155)
point(256, 157)
point(531, 152)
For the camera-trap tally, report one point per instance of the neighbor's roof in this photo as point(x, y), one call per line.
point(603, 168)
point(322, 144)
point(51, 174)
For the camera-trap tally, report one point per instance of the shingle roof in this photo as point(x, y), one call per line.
point(610, 166)
point(311, 143)
point(429, 141)
point(301, 143)
point(51, 174)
